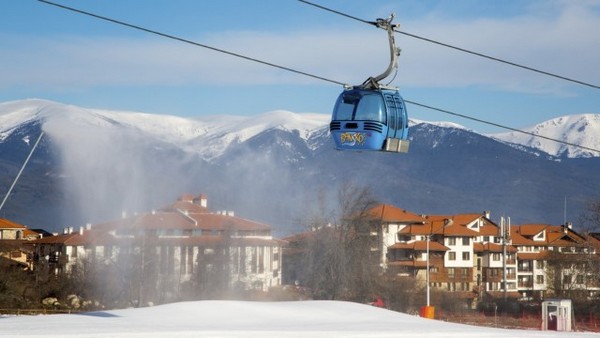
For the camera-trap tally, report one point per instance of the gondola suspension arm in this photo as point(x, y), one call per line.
point(373, 82)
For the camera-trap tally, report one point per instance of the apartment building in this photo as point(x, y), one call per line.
point(181, 241)
point(478, 259)
point(554, 259)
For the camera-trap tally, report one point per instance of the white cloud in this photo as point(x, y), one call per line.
point(566, 43)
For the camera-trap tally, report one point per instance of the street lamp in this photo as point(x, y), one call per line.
point(447, 222)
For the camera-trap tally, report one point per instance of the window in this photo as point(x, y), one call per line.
point(539, 279)
point(451, 272)
point(539, 264)
point(451, 241)
point(368, 106)
point(465, 272)
point(451, 256)
point(579, 279)
point(496, 256)
point(403, 238)
point(466, 256)
point(466, 240)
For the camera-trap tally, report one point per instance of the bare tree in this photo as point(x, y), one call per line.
point(339, 263)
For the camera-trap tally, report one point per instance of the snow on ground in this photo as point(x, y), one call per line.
point(251, 319)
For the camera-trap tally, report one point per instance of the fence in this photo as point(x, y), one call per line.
point(526, 321)
point(33, 312)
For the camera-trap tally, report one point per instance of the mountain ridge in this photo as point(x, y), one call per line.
point(216, 132)
point(93, 165)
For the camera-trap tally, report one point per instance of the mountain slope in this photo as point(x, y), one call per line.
point(93, 165)
point(583, 129)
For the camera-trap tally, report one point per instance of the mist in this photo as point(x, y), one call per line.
point(109, 170)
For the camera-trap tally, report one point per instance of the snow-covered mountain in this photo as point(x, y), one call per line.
point(582, 130)
point(210, 136)
point(207, 136)
point(92, 165)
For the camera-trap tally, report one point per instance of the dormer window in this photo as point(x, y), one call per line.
point(474, 225)
point(541, 236)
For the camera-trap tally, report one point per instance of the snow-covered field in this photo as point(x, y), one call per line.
point(251, 319)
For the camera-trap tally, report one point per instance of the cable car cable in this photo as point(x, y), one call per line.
point(501, 126)
point(510, 63)
point(169, 36)
point(301, 72)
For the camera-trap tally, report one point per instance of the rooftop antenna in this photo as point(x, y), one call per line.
point(21, 171)
point(565, 211)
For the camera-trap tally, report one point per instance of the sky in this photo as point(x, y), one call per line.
point(55, 54)
point(230, 319)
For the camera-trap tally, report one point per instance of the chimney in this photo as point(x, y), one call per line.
point(123, 214)
point(81, 230)
point(569, 225)
point(486, 214)
point(202, 200)
point(88, 226)
point(70, 230)
point(230, 213)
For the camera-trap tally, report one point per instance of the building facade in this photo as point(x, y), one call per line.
point(13, 237)
point(477, 259)
point(555, 260)
point(179, 245)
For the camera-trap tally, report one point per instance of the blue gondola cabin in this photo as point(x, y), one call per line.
point(370, 119)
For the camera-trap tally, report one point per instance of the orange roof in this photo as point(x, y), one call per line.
point(555, 235)
point(178, 220)
point(594, 240)
point(489, 229)
point(389, 213)
point(168, 219)
point(459, 230)
point(530, 229)
point(416, 264)
point(435, 225)
point(492, 247)
point(6, 224)
point(60, 239)
point(189, 206)
point(420, 246)
point(532, 255)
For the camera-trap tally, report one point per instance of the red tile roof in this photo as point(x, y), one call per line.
point(532, 255)
point(420, 246)
point(416, 264)
point(191, 217)
point(555, 235)
point(492, 247)
point(6, 224)
point(389, 213)
point(435, 226)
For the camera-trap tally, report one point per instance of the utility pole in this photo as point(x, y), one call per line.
point(505, 230)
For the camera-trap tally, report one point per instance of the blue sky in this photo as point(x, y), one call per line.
point(54, 54)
